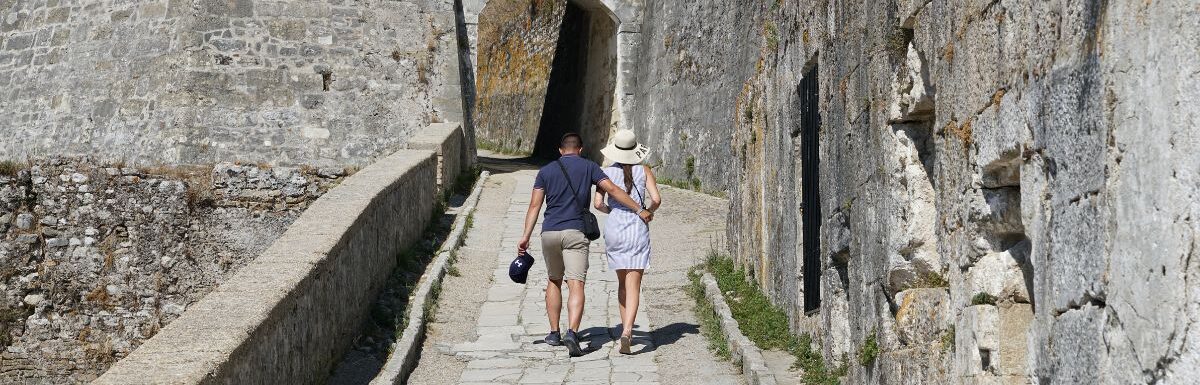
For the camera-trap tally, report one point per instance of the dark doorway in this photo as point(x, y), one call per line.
point(810, 160)
point(582, 82)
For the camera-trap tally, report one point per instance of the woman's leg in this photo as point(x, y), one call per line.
point(632, 290)
point(621, 292)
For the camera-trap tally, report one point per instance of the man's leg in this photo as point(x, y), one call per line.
point(553, 252)
point(554, 302)
point(575, 301)
point(575, 262)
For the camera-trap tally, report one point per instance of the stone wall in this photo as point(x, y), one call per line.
point(517, 44)
point(1007, 188)
point(94, 260)
point(694, 57)
point(283, 82)
point(291, 313)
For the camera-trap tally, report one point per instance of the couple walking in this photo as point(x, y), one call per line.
point(627, 191)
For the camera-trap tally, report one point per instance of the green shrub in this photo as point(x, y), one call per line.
point(763, 323)
point(869, 350)
point(10, 168)
point(983, 298)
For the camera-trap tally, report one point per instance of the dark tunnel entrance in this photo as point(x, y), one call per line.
point(579, 96)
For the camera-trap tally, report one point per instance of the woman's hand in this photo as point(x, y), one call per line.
point(599, 203)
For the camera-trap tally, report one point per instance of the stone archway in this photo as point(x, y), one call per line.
point(581, 90)
point(518, 57)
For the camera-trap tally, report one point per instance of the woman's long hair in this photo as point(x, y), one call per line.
point(628, 169)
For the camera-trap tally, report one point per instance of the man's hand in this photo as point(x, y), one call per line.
point(646, 216)
point(523, 245)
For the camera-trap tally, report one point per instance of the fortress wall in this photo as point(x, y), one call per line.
point(291, 313)
point(289, 82)
point(1037, 152)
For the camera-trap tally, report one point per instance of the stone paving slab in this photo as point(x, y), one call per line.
point(512, 322)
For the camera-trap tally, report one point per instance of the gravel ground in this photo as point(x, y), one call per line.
point(461, 296)
point(687, 226)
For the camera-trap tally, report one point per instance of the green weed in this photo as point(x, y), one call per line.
point(762, 322)
point(10, 168)
point(983, 298)
point(869, 350)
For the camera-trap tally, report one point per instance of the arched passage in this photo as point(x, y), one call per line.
point(582, 86)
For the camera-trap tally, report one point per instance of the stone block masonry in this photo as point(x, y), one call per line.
point(291, 313)
point(187, 82)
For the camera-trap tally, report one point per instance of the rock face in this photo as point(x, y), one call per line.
point(1006, 189)
point(100, 258)
point(517, 43)
point(549, 67)
point(184, 82)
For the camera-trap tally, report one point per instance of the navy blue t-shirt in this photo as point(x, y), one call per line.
point(563, 211)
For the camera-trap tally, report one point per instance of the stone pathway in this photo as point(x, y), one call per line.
point(512, 323)
point(509, 321)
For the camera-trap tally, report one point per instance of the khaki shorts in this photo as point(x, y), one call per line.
point(566, 254)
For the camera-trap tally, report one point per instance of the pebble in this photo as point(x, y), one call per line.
point(24, 221)
point(57, 242)
point(27, 238)
point(78, 178)
point(34, 299)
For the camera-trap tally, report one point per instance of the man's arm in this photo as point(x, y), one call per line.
point(620, 195)
point(531, 216)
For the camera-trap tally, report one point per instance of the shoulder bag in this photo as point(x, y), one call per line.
point(591, 226)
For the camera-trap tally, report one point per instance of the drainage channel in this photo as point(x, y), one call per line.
point(412, 282)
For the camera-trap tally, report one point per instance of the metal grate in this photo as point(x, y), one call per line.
point(810, 160)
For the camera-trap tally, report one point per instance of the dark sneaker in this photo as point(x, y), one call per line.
point(554, 339)
point(572, 343)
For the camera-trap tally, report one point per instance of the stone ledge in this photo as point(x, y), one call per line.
point(406, 351)
point(448, 141)
point(290, 314)
point(754, 367)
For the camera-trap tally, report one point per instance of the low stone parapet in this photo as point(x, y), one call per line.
point(290, 314)
point(452, 151)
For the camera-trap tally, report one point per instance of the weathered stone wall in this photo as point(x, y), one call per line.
point(291, 313)
point(694, 57)
point(190, 81)
point(1039, 152)
point(517, 43)
point(454, 154)
point(93, 260)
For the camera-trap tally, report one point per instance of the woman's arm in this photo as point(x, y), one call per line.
point(599, 202)
point(652, 189)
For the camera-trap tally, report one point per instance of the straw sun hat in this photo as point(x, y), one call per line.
point(625, 149)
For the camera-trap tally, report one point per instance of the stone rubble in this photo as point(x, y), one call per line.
point(95, 259)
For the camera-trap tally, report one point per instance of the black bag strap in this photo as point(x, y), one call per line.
point(571, 184)
point(641, 199)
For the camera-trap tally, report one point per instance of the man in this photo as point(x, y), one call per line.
point(563, 243)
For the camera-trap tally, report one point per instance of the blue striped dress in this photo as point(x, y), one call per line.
point(626, 237)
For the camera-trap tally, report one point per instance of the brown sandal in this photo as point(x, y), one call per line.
point(626, 342)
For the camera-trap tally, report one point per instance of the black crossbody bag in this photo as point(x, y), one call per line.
point(591, 226)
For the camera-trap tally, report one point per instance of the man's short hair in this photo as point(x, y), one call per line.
point(571, 141)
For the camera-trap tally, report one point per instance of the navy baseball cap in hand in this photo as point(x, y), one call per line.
point(518, 270)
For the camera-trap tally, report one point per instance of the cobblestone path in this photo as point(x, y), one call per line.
point(506, 322)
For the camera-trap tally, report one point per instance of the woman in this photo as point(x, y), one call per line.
point(628, 238)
